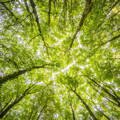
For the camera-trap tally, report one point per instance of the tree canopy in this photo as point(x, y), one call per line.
point(60, 59)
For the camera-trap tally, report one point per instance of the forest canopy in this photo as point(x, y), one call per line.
point(60, 59)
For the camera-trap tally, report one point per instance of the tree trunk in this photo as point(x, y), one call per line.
point(85, 104)
point(14, 75)
point(17, 100)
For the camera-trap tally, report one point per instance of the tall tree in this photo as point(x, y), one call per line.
point(69, 50)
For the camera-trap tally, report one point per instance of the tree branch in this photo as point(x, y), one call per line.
point(87, 10)
point(85, 104)
point(9, 10)
point(12, 14)
point(41, 111)
point(73, 113)
point(17, 100)
point(101, 111)
point(103, 21)
point(49, 12)
point(37, 21)
point(114, 38)
point(5, 105)
point(7, 1)
point(27, 7)
point(14, 75)
point(115, 98)
point(104, 43)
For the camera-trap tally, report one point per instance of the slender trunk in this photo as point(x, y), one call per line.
point(87, 10)
point(93, 86)
point(5, 105)
point(38, 24)
point(49, 12)
point(86, 106)
point(2, 114)
point(114, 97)
point(41, 111)
point(105, 115)
point(17, 100)
point(101, 111)
point(73, 113)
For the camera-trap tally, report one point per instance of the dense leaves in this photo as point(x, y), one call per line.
point(60, 59)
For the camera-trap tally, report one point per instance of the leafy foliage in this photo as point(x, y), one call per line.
point(60, 59)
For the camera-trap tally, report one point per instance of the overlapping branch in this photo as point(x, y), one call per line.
point(16, 101)
point(113, 95)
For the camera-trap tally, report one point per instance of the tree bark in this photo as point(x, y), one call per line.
point(14, 75)
point(17, 100)
point(87, 10)
point(113, 96)
point(49, 12)
point(85, 104)
point(73, 113)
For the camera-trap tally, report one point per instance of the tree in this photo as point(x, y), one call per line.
point(60, 59)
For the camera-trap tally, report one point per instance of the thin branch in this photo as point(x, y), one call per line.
point(20, 22)
point(93, 86)
point(101, 111)
point(85, 104)
point(7, 1)
point(104, 43)
point(49, 12)
point(33, 38)
point(73, 112)
point(37, 21)
point(97, 90)
point(42, 111)
point(87, 10)
point(9, 10)
point(105, 90)
point(107, 14)
point(27, 7)
point(12, 14)
point(31, 112)
point(17, 100)
point(114, 38)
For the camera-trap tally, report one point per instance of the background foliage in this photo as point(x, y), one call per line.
point(60, 59)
